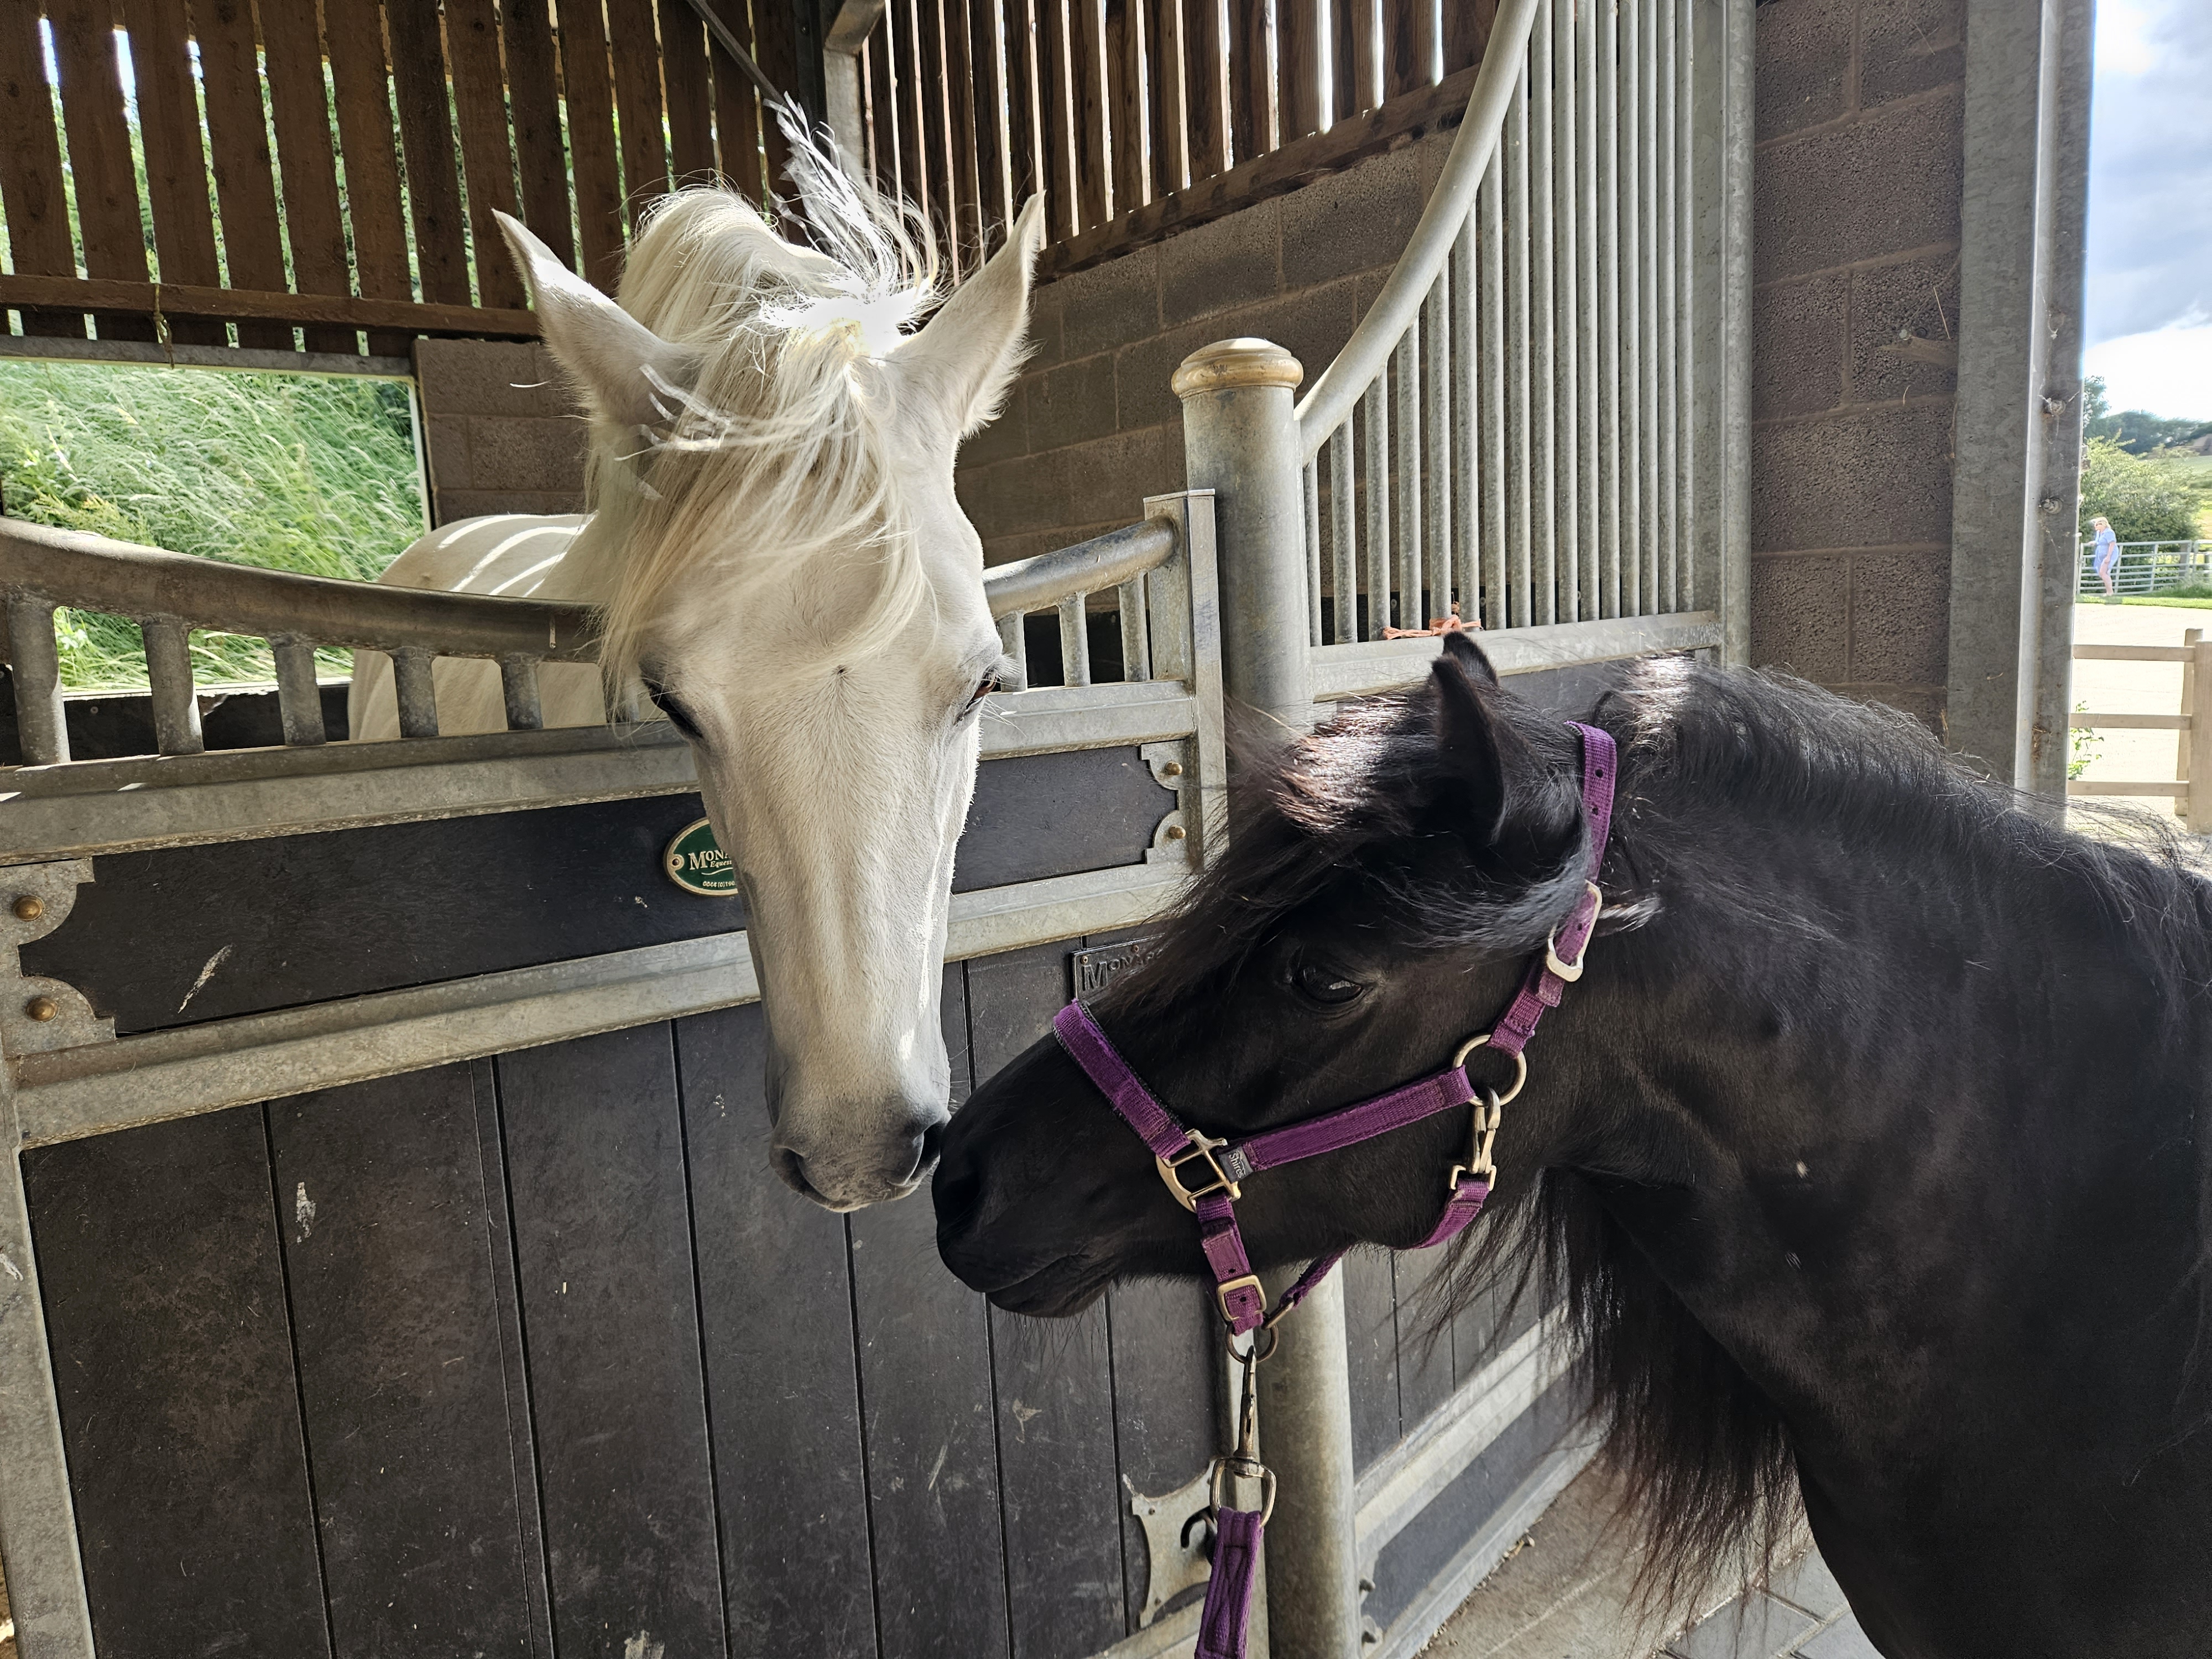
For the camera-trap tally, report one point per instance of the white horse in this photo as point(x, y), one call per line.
point(781, 568)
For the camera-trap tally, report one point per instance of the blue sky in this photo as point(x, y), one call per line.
point(2149, 324)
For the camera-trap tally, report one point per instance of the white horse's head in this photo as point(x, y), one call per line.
point(790, 581)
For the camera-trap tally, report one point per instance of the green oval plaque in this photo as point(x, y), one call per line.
point(696, 862)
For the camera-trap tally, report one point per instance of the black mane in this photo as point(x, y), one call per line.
point(1707, 1459)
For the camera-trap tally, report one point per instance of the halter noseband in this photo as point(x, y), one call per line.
point(1205, 1174)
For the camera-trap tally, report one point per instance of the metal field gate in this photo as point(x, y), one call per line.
point(389, 1262)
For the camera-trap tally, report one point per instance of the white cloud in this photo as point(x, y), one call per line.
point(2167, 371)
point(2150, 170)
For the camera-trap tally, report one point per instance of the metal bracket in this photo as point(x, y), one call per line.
point(1175, 1535)
point(1171, 769)
point(37, 1016)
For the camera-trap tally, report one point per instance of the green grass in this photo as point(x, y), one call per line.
point(284, 471)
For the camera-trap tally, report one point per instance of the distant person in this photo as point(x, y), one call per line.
point(2108, 557)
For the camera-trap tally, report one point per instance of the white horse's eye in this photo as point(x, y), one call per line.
point(668, 703)
point(984, 688)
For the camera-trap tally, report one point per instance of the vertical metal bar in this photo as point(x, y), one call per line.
point(1310, 476)
point(415, 686)
point(1465, 396)
point(1343, 545)
point(1439, 443)
point(42, 726)
point(1567, 294)
point(1013, 642)
point(1136, 630)
point(1375, 528)
point(169, 682)
point(1185, 627)
point(298, 699)
point(2187, 739)
point(1492, 287)
point(1543, 362)
point(1606, 27)
point(517, 686)
point(1074, 641)
point(1589, 305)
point(1667, 333)
point(1520, 422)
point(1649, 258)
point(2200, 743)
point(1406, 473)
point(1731, 414)
point(1686, 309)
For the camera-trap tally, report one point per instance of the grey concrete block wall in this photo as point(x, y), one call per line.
point(500, 430)
point(1856, 199)
point(1092, 428)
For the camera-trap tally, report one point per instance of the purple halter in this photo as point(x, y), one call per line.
point(1222, 1166)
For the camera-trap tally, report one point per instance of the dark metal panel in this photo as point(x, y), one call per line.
point(1167, 1389)
point(1425, 1350)
point(302, 919)
point(1412, 1558)
point(173, 1359)
point(925, 1398)
point(1370, 1334)
point(1054, 1388)
point(776, 1312)
point(603, 1244)
point(381, 1193)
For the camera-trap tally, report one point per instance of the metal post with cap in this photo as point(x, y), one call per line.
point(1241, 441)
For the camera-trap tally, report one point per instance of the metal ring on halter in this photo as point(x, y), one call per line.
point(1267, 1329)
point(1481, 1040)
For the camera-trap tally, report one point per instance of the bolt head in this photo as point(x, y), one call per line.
point(28, 907)
point(1174, 832)
point(1172, 769)
point(42, 1008)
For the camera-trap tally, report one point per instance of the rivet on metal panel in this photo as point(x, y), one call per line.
point(1172, 769)
point(28, 907)
point(1174, 832)
point(42, 1008)
point(37, 1015)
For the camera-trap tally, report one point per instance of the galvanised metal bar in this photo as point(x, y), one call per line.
point(1515, 351)
point(1103, 562)
point(1015, 643)
point(1375, 520)
point(415, 684)
point(1469, 468)
point(1588, 555)
point(1642, 338)
point(1443, 451)
point(1604, 26)
point(1074, 641)
point(41, 727)
point(1405, 472)
point(1310, 477)
point(1136, 630)
point(1566, 316)
point(1684, 312)
point(1543, 325)
point(298, 699)
point(1343, 546)
point(1490, 288)
point(169, 685)
point(518, 686)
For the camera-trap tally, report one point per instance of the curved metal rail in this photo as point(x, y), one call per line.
point(1326, 406)
point(170, 594)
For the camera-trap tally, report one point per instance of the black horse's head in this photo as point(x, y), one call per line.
point(1385, 881)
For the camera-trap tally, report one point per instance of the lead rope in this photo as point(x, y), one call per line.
point(1225, 1621)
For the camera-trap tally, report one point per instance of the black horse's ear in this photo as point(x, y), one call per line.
point(1468, 732)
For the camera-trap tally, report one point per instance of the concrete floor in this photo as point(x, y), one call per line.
point(1565, 1594)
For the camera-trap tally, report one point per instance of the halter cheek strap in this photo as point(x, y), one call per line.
point(1206, 1173)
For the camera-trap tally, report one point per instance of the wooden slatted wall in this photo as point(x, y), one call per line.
point(305, 174)
point(1137, 117)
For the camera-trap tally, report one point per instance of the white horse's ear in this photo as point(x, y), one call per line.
point(965, 356)
point(626, 372)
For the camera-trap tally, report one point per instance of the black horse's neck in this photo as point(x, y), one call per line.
point(1890, 1105)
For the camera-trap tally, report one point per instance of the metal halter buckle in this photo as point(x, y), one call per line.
point(1222, 1293)
point(1572, 971)
point(1201, 1146)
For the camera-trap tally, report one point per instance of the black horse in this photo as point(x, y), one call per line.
point(1867, 1152)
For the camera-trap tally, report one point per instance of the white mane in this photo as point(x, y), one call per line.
point(777, 448)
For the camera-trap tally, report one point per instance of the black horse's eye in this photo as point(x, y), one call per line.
point(678, 716)
point(1318, 981)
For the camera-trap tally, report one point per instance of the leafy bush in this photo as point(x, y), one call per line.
point(285, 471)
point(2142, 502)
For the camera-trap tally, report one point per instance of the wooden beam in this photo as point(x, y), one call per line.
point(1275, 172)
point(76, 293)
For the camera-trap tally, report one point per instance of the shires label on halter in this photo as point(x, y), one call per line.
point(1092, 969)
point(696, 862)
